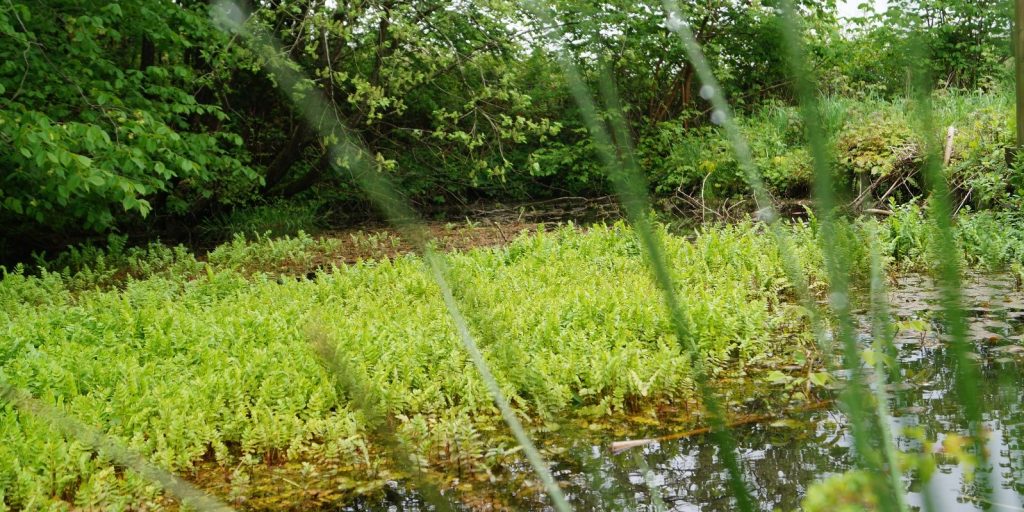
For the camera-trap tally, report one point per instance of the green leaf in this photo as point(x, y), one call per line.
point(14, 205)
point(83, 161)
point(820, 378)
point(870, 357)
point(74, 181)
point(129, 202)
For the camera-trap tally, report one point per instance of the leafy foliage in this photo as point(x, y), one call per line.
point(966, 43)
point(190, 360)
point(116, 111)
point(212, 359)
point(852, 491)
point(100, 128)
point(279, 218)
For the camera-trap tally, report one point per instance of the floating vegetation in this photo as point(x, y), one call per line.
point(206, 366)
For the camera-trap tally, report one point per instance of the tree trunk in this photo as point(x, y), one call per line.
point(291, 153)
point(315, 174)
point(148, 53)
point(687, 87)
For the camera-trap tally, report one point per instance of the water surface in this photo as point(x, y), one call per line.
point(781, 459)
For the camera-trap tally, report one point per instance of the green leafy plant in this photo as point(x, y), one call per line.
point(274, 219)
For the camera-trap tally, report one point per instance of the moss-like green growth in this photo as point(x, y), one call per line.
point(196, 363)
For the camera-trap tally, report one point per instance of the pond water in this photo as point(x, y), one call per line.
point(781, 459)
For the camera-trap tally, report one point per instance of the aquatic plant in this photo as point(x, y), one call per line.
point(188, 361)
point(186, 366)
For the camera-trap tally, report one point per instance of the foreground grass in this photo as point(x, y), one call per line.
point(195, 362)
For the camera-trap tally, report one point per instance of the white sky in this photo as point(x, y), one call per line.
point(851, 8)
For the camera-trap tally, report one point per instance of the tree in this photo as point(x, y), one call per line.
point(98, 110)
point(631, 39)
point(966, 43)
point(429, 87)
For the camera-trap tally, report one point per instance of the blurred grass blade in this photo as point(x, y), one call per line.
point(712, 91)
point(881, 330)
point(360, 393)
point(344, 148)
point(837, 261)
point(615, 149)
point(108, 446)
point(947, 265)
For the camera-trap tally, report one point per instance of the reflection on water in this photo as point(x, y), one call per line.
point(781, 461)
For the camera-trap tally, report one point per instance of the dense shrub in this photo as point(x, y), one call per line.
point(93, 132)
point(875, 142)
point(111, 112)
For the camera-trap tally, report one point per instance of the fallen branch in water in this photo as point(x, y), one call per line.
point(621, 446)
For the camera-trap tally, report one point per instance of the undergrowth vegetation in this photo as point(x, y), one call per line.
point(191, 361)
point(142, 377)
point(877, 152)
point(278, 218)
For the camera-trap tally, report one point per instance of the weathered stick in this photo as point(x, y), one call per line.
point(949, 146)
point(877, 211)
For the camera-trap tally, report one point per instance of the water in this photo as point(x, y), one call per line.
point(781, 459)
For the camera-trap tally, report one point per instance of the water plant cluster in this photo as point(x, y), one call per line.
point(200, 360)
point(218, 360)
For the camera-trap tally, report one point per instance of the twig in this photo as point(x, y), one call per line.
point(949, 146)
point(863, 195)
point(703, 204)
point(500, 232)
point(962, 203)
point(897, 184)
point(877, 211)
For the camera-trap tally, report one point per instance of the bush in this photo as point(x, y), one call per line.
point(279, 218)
point(877, 152)
point(96, 139)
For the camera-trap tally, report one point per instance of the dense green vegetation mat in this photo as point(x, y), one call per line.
point(245, 125)
point(220, 364)
point(196, 362)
